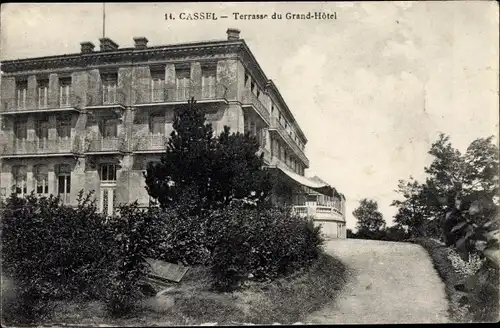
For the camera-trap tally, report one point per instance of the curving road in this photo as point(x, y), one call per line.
point(390, 283)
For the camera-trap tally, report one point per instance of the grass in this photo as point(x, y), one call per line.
point(286, 300)
point(477, 305)
point(191, 302)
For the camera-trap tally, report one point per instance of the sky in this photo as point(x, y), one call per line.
point(371, 90)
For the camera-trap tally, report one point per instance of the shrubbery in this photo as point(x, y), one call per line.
point(56, 252)
point(264, 243)
point(183, 239)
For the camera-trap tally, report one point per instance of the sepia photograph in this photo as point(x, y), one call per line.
point(253, 163)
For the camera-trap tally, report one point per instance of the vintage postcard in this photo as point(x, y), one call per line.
point(249, 163)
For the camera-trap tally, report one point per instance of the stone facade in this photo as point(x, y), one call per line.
point(94, 120)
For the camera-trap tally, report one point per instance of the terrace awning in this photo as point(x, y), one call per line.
point(322, 188)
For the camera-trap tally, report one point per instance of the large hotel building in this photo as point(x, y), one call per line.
point(93, 120)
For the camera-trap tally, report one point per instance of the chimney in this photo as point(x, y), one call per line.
point(233, 34)
point(141, 42)
point(87, 47)
point(107, 44)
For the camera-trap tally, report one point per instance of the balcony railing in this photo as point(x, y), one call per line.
point(14, 105)
point(318, 212)
point(150, 143)
point(41, 147)
point(249, 98)
point(113, 144)
point(183, 94)
point(276, 125)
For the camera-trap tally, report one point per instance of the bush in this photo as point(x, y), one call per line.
point(53, 251)
point(183, 238)
point(135, 232)
point(265, 244)
point(56, 252)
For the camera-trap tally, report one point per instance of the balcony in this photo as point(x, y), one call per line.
point(318, 212)
point(40, 148)
point(250, 100)
point(22, 106)
point(149, 144)
point(111, 99)
point(180, 95)
point(103, 146)
point(281, 130)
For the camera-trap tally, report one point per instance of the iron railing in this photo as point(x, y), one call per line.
point(249, 98)
point(107, 144)
point(40, 146)
point(30, 104)
point(179, 94)
point(149, 143)
point(276, 125)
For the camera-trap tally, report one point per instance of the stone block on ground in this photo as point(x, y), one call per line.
point(166, 271)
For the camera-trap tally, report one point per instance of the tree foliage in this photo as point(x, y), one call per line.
point(370, 221)
point(204, 171)
point(454, 182)
point(459, 198)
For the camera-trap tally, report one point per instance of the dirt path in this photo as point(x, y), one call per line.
point(390, 283)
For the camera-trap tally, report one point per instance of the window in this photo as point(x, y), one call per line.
point(182, 82)
point(258, 93)
point(20, 177)
point(263, 137)
point(41, 175)
point(252, 87)
point(109, 84)
point(157, 125)
point(64, 128)
point(42, 132)
point(64, 186)
point(43, 93)
point(208, 82)
point(157, 86)
point(246, 78)
point(21, 130)
point(21, 92)
point(65, 91)
point(42, 128)
point(108, 172)
point(109, 128)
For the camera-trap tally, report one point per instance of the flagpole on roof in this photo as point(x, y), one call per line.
point(103, 19)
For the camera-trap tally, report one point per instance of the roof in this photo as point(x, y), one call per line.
point(319, 180)
point(132, 53)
